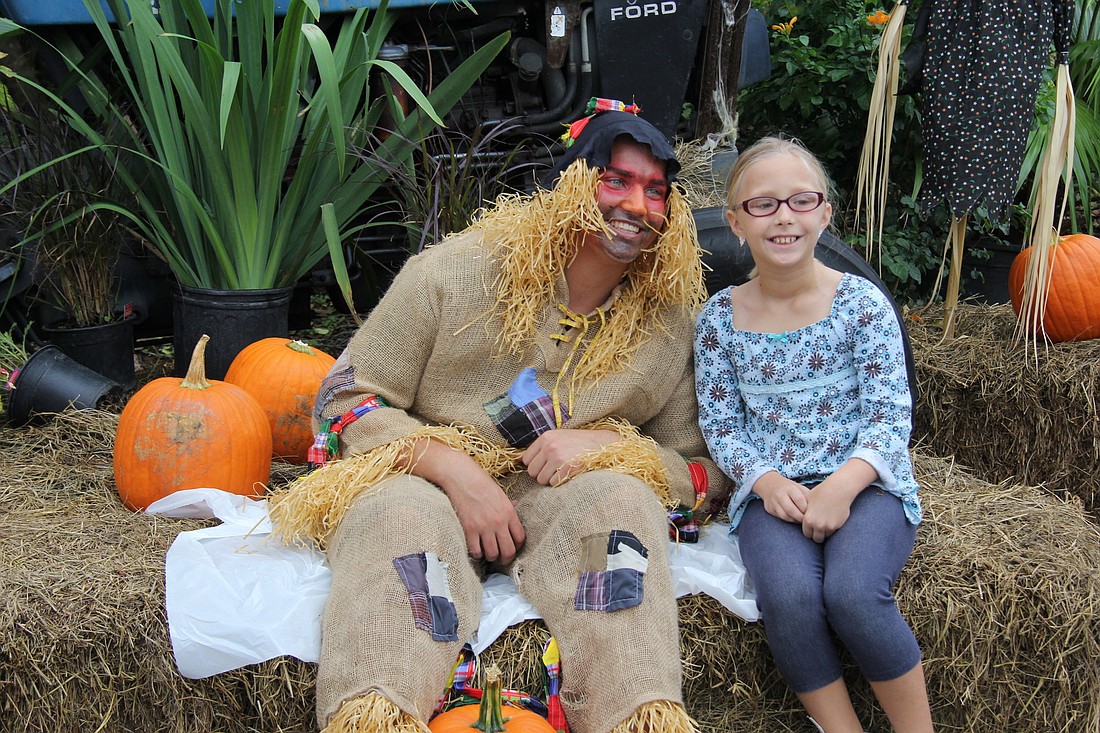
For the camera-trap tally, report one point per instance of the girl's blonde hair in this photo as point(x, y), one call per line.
point(774, 147)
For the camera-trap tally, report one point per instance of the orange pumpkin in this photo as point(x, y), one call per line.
point(489, 716)
point(284, 376)
point(1073, 303)
point(189, 434)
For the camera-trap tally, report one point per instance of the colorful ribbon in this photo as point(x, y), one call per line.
point(326, 443)
point(594, 107)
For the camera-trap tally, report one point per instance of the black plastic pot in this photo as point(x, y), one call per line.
point(107, 348)
point(232, 318)
point(51, 382)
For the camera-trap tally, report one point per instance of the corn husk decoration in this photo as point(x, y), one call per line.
point(1055, 165)
point(873, 176)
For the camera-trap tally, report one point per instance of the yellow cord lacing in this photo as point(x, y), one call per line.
point(579, 322)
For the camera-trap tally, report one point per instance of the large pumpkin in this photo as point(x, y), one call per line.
point(490, 716)
point(189, 434)
point(284, 376)
point(1073, 303)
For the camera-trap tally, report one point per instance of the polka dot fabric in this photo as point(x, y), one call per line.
point(982, 71)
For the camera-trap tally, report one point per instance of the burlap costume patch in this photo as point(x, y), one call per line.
point(612, 569)
point(433, 609)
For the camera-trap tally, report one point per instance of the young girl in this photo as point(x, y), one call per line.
point(804, 402)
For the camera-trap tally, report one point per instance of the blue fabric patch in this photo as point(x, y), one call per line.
point(524, 412)
point(525, 389)
point(612, 571)
point(425, 578)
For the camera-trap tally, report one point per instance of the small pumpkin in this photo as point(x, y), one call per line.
point(1073, 302)
point(489, 715)
point(189, 434)
point(284, 376)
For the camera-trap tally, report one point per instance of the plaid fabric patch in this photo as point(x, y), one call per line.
point(521, 423)
point(612, 570)
point(682, 525)
point(425, 580)
point(334, 382)
point(541, 414)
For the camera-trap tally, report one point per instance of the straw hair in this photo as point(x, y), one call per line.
point(873, 177)
point(659, 716)
point(373, 713)
point(1055, 166)
point(539, 235)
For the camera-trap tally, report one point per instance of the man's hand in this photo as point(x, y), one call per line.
point(488, 518)
point(552, 458)
point(783, 499)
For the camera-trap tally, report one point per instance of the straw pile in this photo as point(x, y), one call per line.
point(982, 401)
point(1003, 591)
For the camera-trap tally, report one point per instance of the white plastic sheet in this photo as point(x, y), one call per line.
point(235, 596)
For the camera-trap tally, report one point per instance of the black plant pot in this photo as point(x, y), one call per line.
point(107, 348)
point(232, 318)
point(51, 382)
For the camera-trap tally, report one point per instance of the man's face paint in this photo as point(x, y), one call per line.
point(633, 197)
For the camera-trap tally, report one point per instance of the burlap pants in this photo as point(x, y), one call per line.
point(612, 660)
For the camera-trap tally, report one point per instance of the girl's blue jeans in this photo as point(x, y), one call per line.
point(809, 592)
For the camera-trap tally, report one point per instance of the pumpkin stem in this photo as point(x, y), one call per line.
point(300, 346)
point(490, 716)
point(196, 371)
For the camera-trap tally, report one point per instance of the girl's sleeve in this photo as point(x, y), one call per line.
point(885, 404)
point(722, 416)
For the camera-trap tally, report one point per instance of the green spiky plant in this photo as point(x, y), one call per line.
point(237, 151)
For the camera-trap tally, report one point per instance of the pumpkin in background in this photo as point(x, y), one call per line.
point(1073, 305)
point(284, 376)
point(190, 434)
point(490, 716)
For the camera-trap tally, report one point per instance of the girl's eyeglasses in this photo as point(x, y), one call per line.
point(800, 203)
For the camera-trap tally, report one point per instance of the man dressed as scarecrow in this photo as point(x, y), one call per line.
point(521, 399)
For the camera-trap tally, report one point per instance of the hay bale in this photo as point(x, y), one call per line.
point(1003, 593)
point(1007, 417)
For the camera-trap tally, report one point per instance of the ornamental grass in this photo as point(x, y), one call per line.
point(1003, 592)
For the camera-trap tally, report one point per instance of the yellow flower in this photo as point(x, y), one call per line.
point(878, 18)
point(785, 28)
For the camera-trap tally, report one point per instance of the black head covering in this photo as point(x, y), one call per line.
point(595, 140)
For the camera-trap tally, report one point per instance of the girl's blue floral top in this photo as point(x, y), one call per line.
point(803, 402)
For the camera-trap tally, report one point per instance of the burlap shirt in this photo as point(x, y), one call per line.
point(429, 349)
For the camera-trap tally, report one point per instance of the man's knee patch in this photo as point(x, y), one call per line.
point(425, 578)
point(612, 571)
